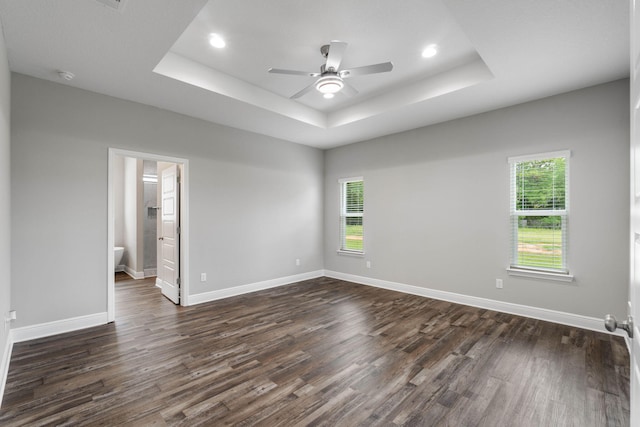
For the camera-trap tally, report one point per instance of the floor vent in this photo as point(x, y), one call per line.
point(113, 4)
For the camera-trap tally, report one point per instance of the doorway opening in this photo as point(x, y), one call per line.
point(157, 209)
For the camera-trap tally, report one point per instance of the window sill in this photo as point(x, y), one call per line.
point(537, 274)
point(350, 253)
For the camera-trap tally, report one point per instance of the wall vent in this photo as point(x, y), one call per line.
point(113, 4)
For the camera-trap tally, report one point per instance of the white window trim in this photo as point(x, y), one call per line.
point(359, 254)
point(540, 156)
point(532, 272)
point(351, 179)
point(340, 250)
point(540, 274)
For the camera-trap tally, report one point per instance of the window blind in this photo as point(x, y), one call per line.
point(352, 215)
point(539, 211)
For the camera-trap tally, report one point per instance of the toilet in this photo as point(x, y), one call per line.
point(118, 251)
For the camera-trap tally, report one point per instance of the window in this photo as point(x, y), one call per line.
point(351, 215)
point(539, 212)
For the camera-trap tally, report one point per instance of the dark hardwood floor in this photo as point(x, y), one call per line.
point(321, 352)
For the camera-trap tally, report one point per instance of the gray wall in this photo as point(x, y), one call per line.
point(5, 195)
point(437, 201)
point(255, 201)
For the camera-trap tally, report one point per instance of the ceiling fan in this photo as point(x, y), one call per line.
point(331, 77)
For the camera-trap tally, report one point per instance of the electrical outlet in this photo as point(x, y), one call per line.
point(297, 261)
point(499, 283)
point(203, 277)
point(368, 264)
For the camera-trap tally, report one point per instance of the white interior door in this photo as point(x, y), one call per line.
point(170, 238)
point(634, 281)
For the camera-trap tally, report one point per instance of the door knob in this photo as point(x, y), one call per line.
point(611, 323)
point(160, 238)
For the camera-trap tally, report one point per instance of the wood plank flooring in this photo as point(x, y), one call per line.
point(322, 352)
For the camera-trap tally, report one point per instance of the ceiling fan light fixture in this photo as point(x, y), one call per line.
point(328, 95)
point(329, 84)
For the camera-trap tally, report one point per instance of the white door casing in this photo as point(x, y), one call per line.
point(170, 238)
point(184, 223)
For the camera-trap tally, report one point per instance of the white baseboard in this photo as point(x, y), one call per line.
point(150, 272)
point(251, 287)
point(4, 364)
point(134, 274)
point(158, 283)
point(119, 268)
point(584, 322)
point(41, 330)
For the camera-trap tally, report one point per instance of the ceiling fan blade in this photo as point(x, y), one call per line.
point(367, 69)
point(293, 72)
point(349, 90)
point(336, 52)
point(303, 91)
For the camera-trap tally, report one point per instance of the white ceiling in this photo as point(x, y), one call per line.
point(492, 53)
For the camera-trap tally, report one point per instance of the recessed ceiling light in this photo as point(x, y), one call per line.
point(216, 41)
point(430, 51)
point(328, 95)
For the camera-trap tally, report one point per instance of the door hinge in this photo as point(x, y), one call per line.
point(178, 281)
point(178, 230)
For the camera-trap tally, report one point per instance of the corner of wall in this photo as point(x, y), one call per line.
point(6, 341)
point(5, 359)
